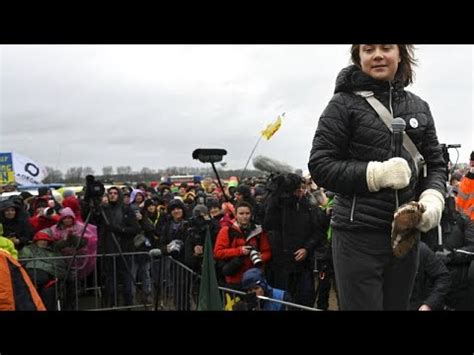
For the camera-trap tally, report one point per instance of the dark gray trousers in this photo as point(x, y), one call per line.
point(372, 279)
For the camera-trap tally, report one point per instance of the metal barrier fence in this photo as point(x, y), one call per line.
point(161, 283)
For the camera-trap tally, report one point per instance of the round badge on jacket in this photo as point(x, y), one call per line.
point(413, 122)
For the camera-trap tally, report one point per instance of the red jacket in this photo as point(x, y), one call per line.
point(40, 223)
point(227, 247)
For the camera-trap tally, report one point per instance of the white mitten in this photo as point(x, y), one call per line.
point(433, 203)
point(394, 173)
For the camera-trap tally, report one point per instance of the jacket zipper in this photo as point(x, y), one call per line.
point(390, 98)
point(391, 111)
point(353, 208)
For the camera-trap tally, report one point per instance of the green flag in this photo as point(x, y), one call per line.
point(209, 294)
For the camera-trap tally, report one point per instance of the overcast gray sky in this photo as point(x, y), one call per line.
point(152, 105)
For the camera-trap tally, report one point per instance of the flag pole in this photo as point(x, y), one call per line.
point(248, 160)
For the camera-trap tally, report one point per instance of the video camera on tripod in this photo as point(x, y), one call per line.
point(94, 190)
point(445, 149)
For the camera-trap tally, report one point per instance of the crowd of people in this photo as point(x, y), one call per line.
point(390, 226)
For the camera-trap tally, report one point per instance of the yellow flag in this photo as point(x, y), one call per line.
point(272, 128)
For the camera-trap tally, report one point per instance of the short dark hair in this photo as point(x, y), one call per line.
point(407, 56)
point(243, 204)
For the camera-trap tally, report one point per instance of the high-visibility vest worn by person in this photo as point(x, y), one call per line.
point(465, 197)
point(17, 292)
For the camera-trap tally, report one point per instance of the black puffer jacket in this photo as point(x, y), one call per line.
point(350, 134)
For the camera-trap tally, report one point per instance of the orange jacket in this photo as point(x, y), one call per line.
point(11, 272)
point(465, 197)
point(226, 249)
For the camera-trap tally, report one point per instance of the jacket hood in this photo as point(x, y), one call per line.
point(134, 194)
point(67, 212)
point(352, 78)
point(7, 204)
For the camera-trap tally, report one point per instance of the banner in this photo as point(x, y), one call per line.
point(7, 174)
point(272, 128)
point(20, 169)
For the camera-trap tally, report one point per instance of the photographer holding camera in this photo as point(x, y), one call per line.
point(255, 284)
point(175, 231)
point(45, 215)
point(194, 246)
point(242, 245)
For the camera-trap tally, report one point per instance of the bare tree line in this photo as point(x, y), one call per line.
point(125, 173)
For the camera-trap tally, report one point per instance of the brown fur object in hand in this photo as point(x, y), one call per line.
point(404, 231)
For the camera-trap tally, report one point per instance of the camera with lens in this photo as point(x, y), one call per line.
point(94, 189)
point(175, 246)
point(255, 257)
point(47, 212)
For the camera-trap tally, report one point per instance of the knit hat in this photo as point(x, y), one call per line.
point(244, 190)
point(149, 203)
point(42, 235)
point(68, 193)
point(43, 190)
point(200, 210)
point(175, 203)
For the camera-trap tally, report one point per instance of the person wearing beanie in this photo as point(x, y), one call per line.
point(200, 223)
point(354, 154)
point(255, 284)
point(46, 268)
point(176, 203)
point(465, 196)
point(173, 235)
point(200, 210)
point(68, 193)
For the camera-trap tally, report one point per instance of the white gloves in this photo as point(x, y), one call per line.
point(393, 173)
point(433, 202)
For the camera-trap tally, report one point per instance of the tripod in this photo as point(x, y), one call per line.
point(95, 208)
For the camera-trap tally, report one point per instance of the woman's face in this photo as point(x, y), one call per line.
point(243, 216)
point(9, 213)
point(68, 221)
point(380, 61)
point(139, 198)
point(151, 209)
point(177, 213)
